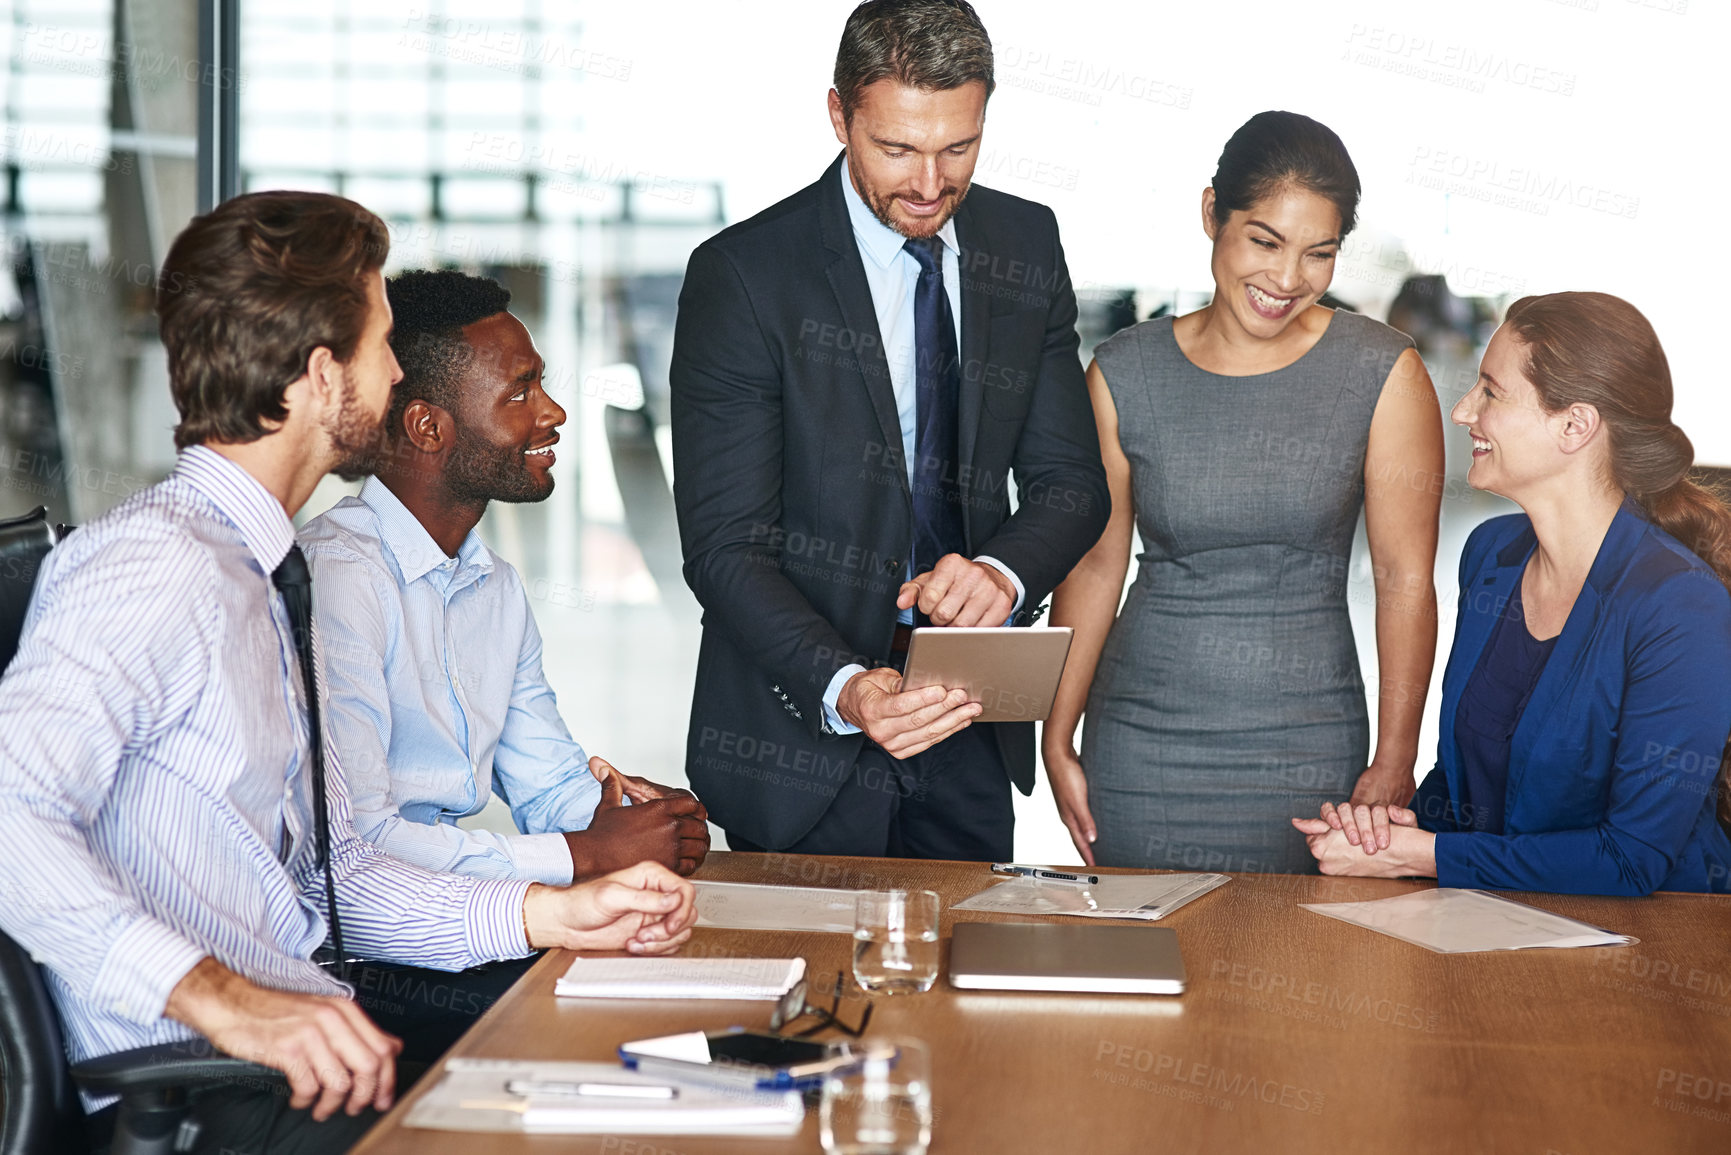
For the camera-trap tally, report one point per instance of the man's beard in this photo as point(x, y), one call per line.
point(880, 207)
point(477, 471)
point(354, 434)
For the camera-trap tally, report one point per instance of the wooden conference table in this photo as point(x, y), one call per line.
point(1298, 1033)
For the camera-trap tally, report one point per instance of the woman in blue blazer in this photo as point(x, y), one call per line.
point(1587, 699)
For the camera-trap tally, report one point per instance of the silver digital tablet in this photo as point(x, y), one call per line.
point(1045, 956)
point(1012, 671)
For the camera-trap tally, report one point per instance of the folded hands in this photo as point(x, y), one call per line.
point(1369, 840)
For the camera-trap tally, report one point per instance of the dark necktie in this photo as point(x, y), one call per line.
point(938, 381)
point(296, 584)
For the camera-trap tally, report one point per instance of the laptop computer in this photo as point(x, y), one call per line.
point(1043, 956)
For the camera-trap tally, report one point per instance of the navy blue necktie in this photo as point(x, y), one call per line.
point(938, 382)
point(295, 582)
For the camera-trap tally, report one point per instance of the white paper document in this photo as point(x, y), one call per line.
point(1143, 896)
point(680, 978)
point(749, 906)
point(1451, 921)
point(477, 1095)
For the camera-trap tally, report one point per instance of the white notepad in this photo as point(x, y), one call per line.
point(1451, 921)
point(473, 1095)
point(756, 979)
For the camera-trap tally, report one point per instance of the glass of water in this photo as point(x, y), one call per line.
point(895, 941)
point(881, 1105)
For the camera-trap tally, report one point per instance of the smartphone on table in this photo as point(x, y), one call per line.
point(738, 1057)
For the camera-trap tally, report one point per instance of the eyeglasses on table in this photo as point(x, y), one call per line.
point(793, 1007)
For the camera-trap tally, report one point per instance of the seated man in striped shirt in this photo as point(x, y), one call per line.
point(158, 766)
point(438, 699)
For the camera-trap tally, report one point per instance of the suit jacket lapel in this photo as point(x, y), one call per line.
point(1483, 605)
point(853, 295)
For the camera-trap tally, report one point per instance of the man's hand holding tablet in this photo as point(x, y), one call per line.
point(974, 666)
point(903, 722)
point(955, 592)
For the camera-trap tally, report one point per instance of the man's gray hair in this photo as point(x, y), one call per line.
point(931, 45)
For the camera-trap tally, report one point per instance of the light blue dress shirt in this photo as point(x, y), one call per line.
point(437, 695)
point(154, 795)
point(893, 275)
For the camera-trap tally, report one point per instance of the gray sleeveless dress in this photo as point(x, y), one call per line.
point(1228, 697)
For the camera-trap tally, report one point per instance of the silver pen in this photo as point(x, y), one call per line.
point(1042, 872)
point(532, 1087)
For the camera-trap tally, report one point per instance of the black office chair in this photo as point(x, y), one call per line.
point(40, 1112)
point(24, 542)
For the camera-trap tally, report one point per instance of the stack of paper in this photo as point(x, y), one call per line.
point(1143, 896)
point(1451, 921)
point(757, 979)
point(474, 1095)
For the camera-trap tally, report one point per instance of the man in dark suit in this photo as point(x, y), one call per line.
point(856, 373)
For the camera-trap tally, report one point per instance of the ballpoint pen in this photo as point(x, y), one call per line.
point(531, 1087)
point(1043, 872)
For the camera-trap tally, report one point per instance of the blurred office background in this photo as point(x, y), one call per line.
point(579, 150)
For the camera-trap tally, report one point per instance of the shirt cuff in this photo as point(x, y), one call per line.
point(833, 694)
point(543, 858)
point(1021, 591)
point(143, 966)
point(495, 919)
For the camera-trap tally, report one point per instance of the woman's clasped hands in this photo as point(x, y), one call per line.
point(1369, 841)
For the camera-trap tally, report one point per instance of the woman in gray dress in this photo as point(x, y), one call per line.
point(1242, 440)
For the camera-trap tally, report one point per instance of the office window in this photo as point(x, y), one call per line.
point(465, 126)
point(99, 150)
